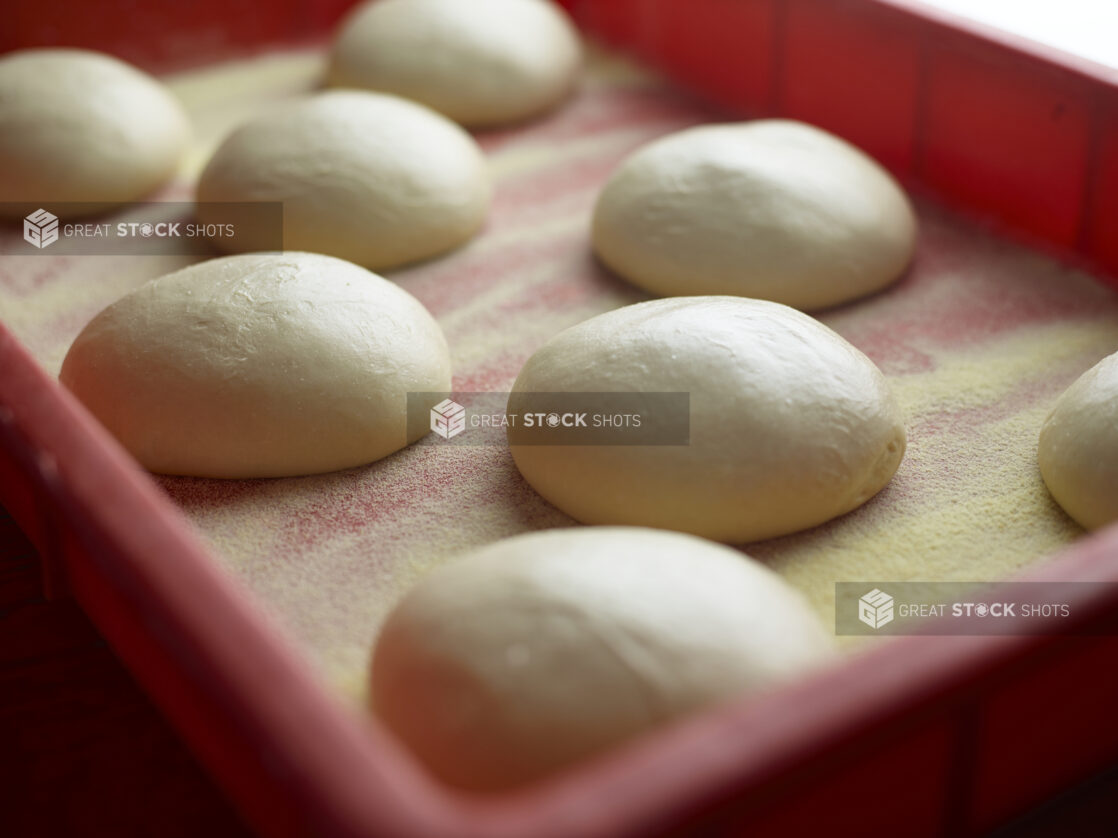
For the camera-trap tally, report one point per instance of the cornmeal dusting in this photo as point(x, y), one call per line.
point(978, 341)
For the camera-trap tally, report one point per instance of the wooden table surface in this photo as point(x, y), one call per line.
point(84, 752)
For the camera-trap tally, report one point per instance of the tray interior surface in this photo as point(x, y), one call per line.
point(977, 339)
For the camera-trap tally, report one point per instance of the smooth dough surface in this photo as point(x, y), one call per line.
point(260, 365)
point(482, 62)
point(537, 651)
point(790, 425)
point(772, 209)
point(366, 177)
point(1078, 450)
point(80, 126)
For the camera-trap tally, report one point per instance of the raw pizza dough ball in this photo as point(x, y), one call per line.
point(367, 177)
point(261, 365)
point(79, 126)
point(790, 425)
point(772, 209)
point(1078, 451)
point(540, 650)
point(481, 62)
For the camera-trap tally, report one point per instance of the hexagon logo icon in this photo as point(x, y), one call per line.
point(40, 228)
point(448, 419)
point(875, 609)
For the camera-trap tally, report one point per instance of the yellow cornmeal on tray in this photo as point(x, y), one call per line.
point(977, 341)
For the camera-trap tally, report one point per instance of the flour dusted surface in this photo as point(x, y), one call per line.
point(977, 341)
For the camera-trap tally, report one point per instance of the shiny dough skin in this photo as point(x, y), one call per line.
point(480, 62)
point(259, 365)
point(773, 209)
point(80, 126)
point(1078, 448)
point(532, 653)
point(790, 425)
point(367, 177)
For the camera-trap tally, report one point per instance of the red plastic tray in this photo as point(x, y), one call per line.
point(945, 735)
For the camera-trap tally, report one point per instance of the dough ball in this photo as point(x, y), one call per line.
point(480, 62)
point(790, 425)
point(84, 127)
point(771, 209)
point(1078, 451)
point(262, 365)
point(540, 650)
point(367, 177)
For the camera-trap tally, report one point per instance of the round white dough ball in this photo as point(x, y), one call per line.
point(790, 425)
point(480, 62)
point(261, 365)
point(537, 651)
point(79, 126)
point(772, 209)
point(1078, 450)
point(366, 177)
